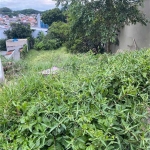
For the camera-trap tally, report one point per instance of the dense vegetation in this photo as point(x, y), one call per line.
point(53, 15)
point(5, 11)
point(20, 31)
point(3, 44)
point(95, 24)
point(95, 102)
point(57, 35)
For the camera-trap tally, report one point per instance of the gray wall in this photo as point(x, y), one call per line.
point(135, 36)
point(2, 78)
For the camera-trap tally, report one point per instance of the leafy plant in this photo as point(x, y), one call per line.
point(94, 103)
point(24, 51)
point(57, 35)
point(53, 15)
point(98, 22)
point(2, 44)
point(18, 30)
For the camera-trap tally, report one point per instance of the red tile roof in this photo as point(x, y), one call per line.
point(9, 52)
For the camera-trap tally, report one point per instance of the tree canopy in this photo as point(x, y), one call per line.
point(57, 35)
point(97, 22)
point(58, 30)
point(53, 15)
point(18, 30)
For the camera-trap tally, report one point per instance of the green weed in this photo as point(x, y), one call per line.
point(94, 103)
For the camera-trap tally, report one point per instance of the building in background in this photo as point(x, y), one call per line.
point(35, 22)
point(37, 30)
point(40, 23)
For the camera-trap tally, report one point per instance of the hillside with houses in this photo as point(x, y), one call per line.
point(28, 16)
point(5, 20)
point(7, 16)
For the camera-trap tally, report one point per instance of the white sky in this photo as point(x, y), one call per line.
point(25, 4)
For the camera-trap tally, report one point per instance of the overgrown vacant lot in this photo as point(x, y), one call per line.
point(95, 102)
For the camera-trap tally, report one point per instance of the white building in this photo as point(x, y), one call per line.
point(39, 20)
point(37, 30)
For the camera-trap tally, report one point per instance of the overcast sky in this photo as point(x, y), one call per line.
point(24, 4)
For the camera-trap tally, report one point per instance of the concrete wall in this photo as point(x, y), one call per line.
point(135, 36)
point(12, 45)
point(16, 46)
point(2, 78)
point(3, 53)
point(15, 54)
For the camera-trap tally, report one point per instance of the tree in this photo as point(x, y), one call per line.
point(58, 30)
point(56, 36)
point(53, 15)
point(97, 23)
point(18, 30)
point(6, 11)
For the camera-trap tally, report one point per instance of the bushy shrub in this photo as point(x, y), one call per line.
point(76, 46)
point(39, 46)
point(2, 44)
point(52, 44)
point(40, 36)
point(47, 44)
point(24, 51)
point(57, 35)
point(95, 103)
point(60, 31)
point(82, 45)
point(31, 42)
